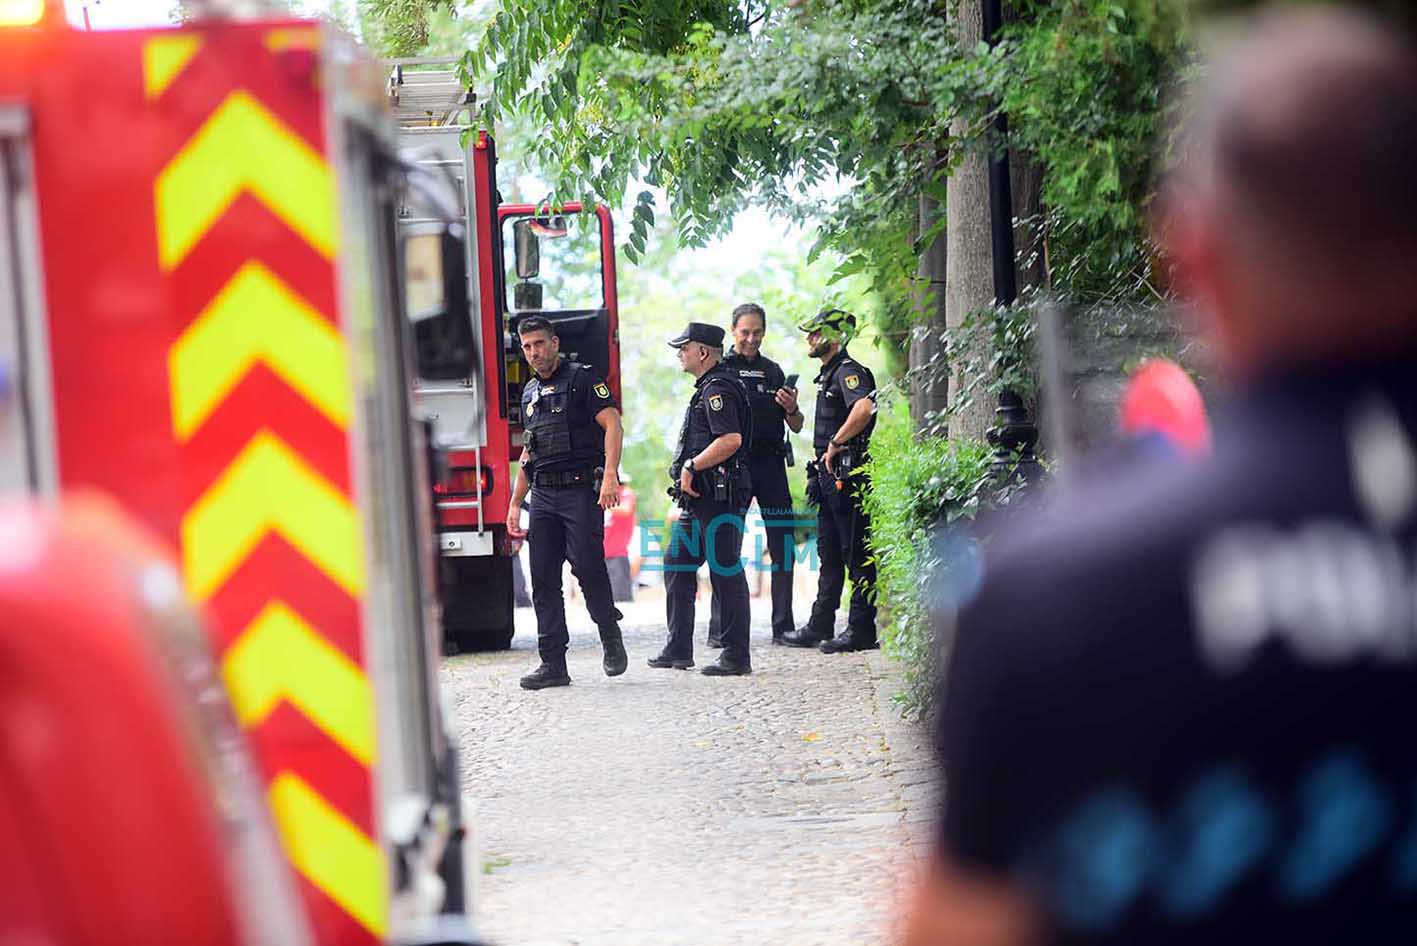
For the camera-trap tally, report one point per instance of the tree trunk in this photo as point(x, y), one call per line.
point(928, 367)
point(969, 280)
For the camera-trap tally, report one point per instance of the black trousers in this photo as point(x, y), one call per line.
point(769, 483)
point(567, 524)
point(712, 533)
point(842, 531)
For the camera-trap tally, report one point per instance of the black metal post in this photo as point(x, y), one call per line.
point(1013, 435)
point(1001, 191)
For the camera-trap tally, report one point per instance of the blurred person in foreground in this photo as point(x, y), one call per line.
point(1179, 710)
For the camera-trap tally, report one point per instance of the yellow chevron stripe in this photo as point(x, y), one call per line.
point(243, 147)
point(292, 37)
point(280, 657)
point(256, 317)
point(268, 488)
point(331, 852)
point(164, 57)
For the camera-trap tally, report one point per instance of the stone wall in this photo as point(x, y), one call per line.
point(1103, 347)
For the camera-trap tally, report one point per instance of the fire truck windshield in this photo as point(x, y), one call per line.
point(569, 275)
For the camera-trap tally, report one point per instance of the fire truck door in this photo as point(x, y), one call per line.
point(401, 651)
point(420, 813)
point(27, 449)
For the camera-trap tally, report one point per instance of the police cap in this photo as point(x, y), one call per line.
point(701, 332)
point(830, 320)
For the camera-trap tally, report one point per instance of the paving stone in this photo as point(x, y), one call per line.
point(664, 808)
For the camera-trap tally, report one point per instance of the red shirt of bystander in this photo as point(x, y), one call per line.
point(620, 525)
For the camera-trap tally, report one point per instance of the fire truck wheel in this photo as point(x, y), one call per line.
point(477, 603)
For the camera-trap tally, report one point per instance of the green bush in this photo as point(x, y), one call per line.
point(916, 485)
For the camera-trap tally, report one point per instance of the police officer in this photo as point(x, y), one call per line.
point(711, 484)
point(773, 405)
point(572, 450)
point(1179, 706)
point(845, 417)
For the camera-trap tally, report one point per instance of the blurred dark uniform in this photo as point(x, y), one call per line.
point(566, 522)
point(767, 468)
point(712, 526)
point(843, 527)
point(1180, 710)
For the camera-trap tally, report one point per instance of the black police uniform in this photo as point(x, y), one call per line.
point(843, 527)
point(712, 527)
point(567, 446)
point(767, 469)
point(1181, 709)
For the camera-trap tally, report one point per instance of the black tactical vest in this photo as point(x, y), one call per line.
point(560, 432)
point(831, 409)
point(694, 437)
point(761, 378)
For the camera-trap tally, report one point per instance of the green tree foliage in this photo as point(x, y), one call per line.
point(839, 111)
point(399, 27)
point(1085, 87)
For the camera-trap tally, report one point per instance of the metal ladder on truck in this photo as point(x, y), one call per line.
point(432, 108)
point(459, 401)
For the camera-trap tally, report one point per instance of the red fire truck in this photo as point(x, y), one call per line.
point(202, 317)
point(519, 259)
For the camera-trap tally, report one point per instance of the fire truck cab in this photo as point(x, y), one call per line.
point(513, 260)
point(203, 319)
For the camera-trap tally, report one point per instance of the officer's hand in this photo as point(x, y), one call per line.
point(787, 399)
point(514, 522)
point(609, 492)
point(832, 451)
point(686, 483)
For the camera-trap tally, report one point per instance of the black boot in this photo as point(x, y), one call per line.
point(547, 675)
point(664, 662)
point(804, 637)
point(849, 641)
point(727, 667)
point(615, 660)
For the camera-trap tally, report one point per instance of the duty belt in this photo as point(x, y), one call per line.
point(564, 478)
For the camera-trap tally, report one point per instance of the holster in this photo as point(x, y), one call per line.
point(814, 485)
point(834, 485)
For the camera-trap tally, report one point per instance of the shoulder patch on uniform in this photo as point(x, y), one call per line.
point(531, 408)
point(602, 390)
point(715, 402)
point(852, 382)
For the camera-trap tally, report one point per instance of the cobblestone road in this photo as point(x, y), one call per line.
point(665, 807)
